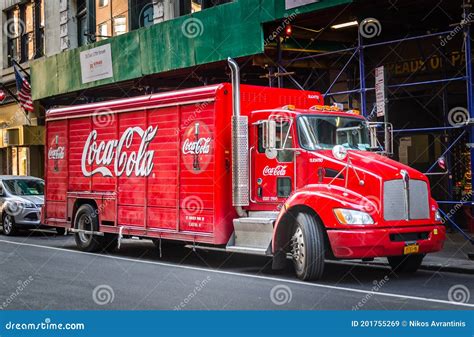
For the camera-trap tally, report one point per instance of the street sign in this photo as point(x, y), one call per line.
point(380, 90)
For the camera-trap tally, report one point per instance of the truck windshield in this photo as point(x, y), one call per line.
point(324, 132)
point(24, 186)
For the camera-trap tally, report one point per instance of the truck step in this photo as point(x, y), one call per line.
point(252, 235)
point(247, 250)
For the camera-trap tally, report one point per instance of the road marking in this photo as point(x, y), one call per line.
point(268, 278)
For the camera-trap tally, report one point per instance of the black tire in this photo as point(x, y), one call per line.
point(308, 247)
point(86, 219)
point(60, 230)
point(9, 225)
point(405, 264)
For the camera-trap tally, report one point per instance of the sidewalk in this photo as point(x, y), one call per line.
point(453, 257)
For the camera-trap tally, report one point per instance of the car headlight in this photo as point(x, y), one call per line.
point(23, 204)
point(438, 216)
point(353, 217)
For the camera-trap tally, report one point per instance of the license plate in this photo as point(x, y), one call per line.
point(411, 249)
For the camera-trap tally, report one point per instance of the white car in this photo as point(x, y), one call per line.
point(21, 200)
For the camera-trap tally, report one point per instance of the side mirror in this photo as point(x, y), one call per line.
point(269, 138)
point(269, 134)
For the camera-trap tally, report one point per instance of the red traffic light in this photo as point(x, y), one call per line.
point(288, 31)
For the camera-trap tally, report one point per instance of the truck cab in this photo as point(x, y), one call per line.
point(333, 195)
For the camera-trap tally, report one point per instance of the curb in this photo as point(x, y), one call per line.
point(431, 267)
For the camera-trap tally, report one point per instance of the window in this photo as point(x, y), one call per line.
point(284, 141)
point(82, 29)
point(25, 27)
point(199, 5)
point(283, 187)
point(112, 14)
point(120, 25)
point(103, 31)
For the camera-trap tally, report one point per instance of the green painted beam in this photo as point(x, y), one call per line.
point(233, 29)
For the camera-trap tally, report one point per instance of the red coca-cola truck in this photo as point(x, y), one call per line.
point(238, 168)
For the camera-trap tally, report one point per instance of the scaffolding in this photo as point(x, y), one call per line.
point(358, 52)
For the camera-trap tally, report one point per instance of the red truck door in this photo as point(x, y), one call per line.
point(272, 180)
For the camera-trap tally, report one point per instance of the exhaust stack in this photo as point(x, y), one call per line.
point(240, 146)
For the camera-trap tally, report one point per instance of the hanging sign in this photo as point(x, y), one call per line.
point(380, 90)
point(96, 64)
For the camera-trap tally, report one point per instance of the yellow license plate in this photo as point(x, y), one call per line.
point(411, 249)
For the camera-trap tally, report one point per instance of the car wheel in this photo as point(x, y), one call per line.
point(405, 263)
point(9, 226)
point(86, 220)
point(308, 248)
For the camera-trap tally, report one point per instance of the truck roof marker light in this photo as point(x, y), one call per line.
point(289, 107)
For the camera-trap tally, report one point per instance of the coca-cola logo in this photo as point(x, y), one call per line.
point(279, 170)
point(115, 152)
point(196, 147)
point(57, 153)
point(200, 146)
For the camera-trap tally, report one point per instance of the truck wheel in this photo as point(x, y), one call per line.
point(86, 219)
point(405, 264)
point(308, 247)
point(9, 225)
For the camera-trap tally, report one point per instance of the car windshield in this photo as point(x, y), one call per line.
point(24, 186)
point(324, 132)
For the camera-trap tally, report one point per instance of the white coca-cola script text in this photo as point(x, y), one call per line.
point(279, 170)
point(104, 153)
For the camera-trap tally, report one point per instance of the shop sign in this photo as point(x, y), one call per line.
point(289, 4)
point(96, 64)
point(380, 90)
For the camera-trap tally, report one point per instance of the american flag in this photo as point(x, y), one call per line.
point(24, 91)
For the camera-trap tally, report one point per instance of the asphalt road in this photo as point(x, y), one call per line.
point(43, 271)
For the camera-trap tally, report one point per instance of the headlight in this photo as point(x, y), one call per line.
point(352, 217)
point(22, 204)
point(438, 216)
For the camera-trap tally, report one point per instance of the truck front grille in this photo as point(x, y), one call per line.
point(394, 203)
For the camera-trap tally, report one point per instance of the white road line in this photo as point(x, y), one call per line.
point(316, 285)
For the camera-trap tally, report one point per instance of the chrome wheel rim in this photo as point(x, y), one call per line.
point(85, 224)
point(7, 224)
point(298, 248)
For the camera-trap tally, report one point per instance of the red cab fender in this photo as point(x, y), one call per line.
point(319, 200)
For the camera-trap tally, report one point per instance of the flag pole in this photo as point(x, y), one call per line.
point(22, 69)
point(16, 100)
